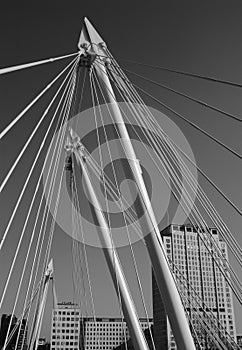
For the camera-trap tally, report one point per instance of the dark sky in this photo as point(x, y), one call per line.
point(197, 36)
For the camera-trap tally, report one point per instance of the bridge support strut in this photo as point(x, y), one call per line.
point(165, 280)
point(112, 259)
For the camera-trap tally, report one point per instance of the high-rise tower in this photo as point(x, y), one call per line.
point(206, 294)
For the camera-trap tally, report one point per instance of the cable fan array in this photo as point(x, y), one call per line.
point(32, 277)
point(169, 155)
point(128, 93)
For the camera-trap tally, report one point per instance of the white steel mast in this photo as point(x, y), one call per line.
point(36, 333)
point(138, 339)
point(91, 44)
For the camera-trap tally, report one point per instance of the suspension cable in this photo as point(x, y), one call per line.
point(20, 241)
point(4, 132)
point(53, 172)
point(163, 133)
point(158, 142)
point(189, 122)
point(41, 201)
point(193, 75)
point(87, 264)
point(222, 268)
point(30, 208)
point(93, 90)
point(33, 64)
point(25, 184)
point(198, 299)
point(216, 109)
point(29, 140)
point(19, 322)
point(190, 160)
point(122, 208)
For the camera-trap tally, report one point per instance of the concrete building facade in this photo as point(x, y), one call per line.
point(201, 284)
point(70, 331)
point(107, 333)
point(65, 327)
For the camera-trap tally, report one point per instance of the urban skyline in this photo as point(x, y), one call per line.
point(199, 280)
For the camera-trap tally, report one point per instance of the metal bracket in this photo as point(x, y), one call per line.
point(87, 59)
point(73, 144)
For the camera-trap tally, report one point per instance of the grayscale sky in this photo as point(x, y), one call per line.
point(197, 36)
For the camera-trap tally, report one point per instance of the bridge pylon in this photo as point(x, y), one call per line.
point(91, 44)
point(121, 286)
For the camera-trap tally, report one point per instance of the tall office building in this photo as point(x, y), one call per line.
point(106, 333)
point(206, 294)
point(65, 327)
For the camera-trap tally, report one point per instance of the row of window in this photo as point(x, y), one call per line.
point(63, 330)
point(111, 326)
point(100, 347)
point(64, 318)
point(64, 348)
point(64, 343)
point(64, 312)
point(63, 336)
point(65, 324)
point(104, 341)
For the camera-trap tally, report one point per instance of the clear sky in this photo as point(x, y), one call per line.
point(196, 36)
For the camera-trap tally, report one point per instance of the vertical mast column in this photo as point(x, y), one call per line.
point(36, 333)
point(120, 284)
point(164, 278)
